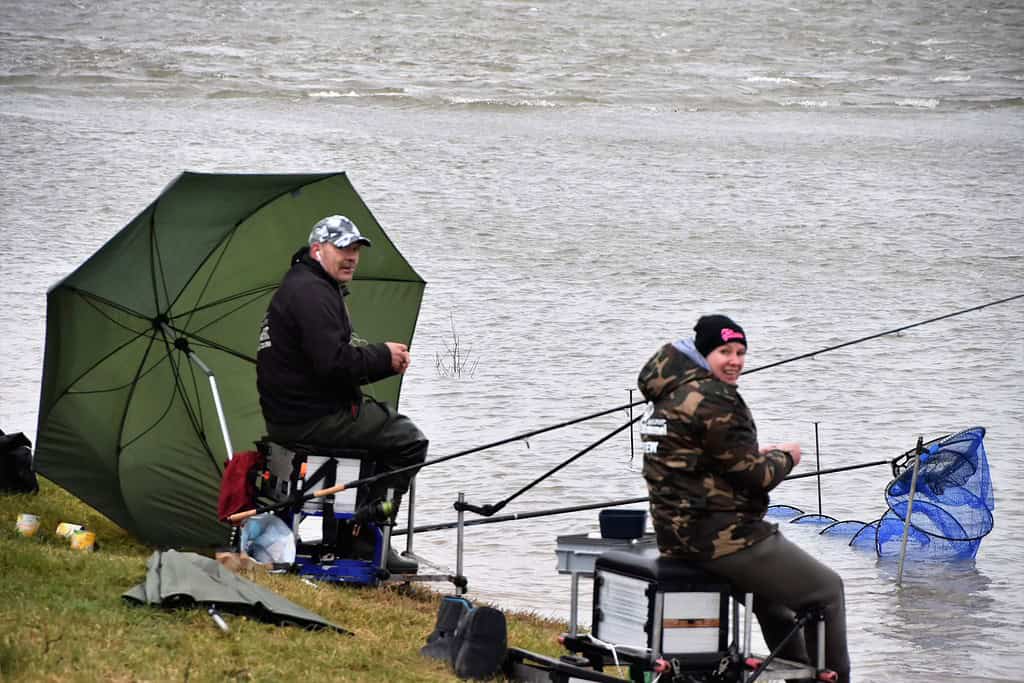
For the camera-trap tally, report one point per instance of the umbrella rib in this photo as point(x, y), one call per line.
point(91, 298)
point(117, 388)
point(195, 391)
point(102, 360)
point(128, 402)
point(206, 343)
point(234, 229)
point(222, 249)
point(176, 372)
point(153, 426)
point(158, 264)
point(255, 297)
point(263, 289)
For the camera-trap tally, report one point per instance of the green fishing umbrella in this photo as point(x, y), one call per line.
point(129, 417)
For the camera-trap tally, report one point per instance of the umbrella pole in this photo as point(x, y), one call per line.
point(213, 388)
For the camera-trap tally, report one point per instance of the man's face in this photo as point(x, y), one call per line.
point(340, 264)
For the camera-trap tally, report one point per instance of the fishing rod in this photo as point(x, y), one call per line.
point(239, 516)
point(486, 510)
point(632, 404)
point(882, 334)
point(511, 517)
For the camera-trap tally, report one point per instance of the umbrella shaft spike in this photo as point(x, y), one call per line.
point(220, 416)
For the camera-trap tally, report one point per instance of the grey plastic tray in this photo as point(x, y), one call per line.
point(577, 553)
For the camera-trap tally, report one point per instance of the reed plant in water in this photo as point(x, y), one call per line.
point(457, 359)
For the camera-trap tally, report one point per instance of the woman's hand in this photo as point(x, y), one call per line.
point(791, 447)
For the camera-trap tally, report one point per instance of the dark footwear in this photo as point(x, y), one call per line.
point(364, 546)
point(439, 642)
point(398, 564)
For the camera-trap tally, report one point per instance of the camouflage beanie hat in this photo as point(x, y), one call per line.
point(714, 331)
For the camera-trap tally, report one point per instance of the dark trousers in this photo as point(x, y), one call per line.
point(784, 580)
point(392, 440)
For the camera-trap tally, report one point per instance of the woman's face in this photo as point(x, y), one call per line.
point(726, 362)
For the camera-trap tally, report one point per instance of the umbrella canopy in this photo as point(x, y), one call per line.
point(176, 579)
point(126, 421)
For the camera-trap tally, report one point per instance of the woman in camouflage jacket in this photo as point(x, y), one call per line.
point(709, 481)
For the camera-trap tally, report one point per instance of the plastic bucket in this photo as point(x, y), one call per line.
point(66, 529)
point(83, 540)
point(27, 525)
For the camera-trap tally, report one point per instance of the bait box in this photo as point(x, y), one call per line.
point(622, 523)
point(661, 606)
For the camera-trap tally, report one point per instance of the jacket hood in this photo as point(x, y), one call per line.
point(672, 366)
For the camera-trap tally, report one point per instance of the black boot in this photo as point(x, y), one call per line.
point(397, 563)
point(400, 564)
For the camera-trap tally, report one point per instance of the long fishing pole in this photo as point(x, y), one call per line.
point(631, 404)
point(511, 517)
point(522, 515)
point(488, 510)
point(882, 334)
point(338, 488)
point(342, 487)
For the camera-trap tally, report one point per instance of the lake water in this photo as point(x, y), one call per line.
point(578, 182)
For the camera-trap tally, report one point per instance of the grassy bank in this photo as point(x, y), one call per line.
point(62, 617)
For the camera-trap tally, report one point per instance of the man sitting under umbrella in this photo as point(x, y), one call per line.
point(309, 370)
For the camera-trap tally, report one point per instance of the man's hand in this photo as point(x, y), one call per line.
point(399, 357)
point(791, 447)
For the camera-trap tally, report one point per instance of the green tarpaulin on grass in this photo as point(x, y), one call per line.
point(178, 579)
point(126, 421)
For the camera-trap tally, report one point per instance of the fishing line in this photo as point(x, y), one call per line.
point(488, 510)
point(882, 334)
point(516, 516)
point(630, 405)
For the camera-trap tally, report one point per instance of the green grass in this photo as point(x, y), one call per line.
point(62, 617)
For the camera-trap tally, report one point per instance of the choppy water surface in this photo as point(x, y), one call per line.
point(577, 182)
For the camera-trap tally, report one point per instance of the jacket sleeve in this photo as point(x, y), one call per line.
point(326, 336)
point(731, 439)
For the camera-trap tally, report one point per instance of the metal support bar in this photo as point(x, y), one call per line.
point(821, 641)
point(411, 515)
point(386, 533)
point(460, 544)
point(748, 623)
point(735, 620)
point(817, 455)
point(213, 388)
point(574, 603)
point(910, 510)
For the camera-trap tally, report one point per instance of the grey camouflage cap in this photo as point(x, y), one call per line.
point(338, 230)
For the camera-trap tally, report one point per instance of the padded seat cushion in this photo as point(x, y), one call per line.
point(650, 564)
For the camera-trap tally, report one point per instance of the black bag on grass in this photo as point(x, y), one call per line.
point(16, 475)
point(480, 643)
point(439, 642)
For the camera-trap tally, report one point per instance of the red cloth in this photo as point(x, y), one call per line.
point(238, 485)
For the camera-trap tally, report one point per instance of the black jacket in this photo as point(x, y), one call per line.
point(306, 365)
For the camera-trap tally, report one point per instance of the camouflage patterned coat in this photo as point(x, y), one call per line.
point(708, 484)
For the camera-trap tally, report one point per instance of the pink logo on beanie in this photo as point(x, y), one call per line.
point(728, 335)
